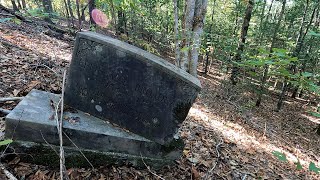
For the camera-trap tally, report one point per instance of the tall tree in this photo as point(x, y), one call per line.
point(194, 16)
point(176, 32)
point(299, 43)
point(243, 37)
point(262, 88)
point(47, 6)
point(92, 5)
point(14, 5)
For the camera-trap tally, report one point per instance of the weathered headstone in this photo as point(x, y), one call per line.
point(128, 86)
point(109, 81)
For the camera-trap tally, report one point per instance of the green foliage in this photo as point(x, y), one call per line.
point(5, 142)
point(280, 156)
point(314, 168)
point(298, 165)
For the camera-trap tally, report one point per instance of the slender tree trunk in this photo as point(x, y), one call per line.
point(198, 23)
point(70, 12)
point(14, 5)
point(187, 33)
point(19, 4)
point(83, 16)
point(266, 67)
point(244, 32)
point(78, 13)
point(47, 6)
point(176, 33)
point(67, 11)
point(261, 22)
point(298, 47)
point(282, 95)
point(92, 5)
point(209, 37)
point(300, 41)
point(24, 5)
point(113, 14)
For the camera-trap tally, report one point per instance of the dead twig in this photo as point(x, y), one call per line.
point(9, 175)
point(62, 158)
point(79, 150)
point(48, 143)
point(4, 99)
point(156, 175)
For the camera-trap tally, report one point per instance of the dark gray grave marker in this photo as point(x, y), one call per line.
point(128, 86)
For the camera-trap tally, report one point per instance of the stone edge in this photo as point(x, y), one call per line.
point(149, 58)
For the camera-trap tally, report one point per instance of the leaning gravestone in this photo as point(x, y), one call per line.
point(109, 81)
point(130, 87)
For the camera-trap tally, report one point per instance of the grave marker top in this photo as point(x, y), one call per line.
point(128, 86)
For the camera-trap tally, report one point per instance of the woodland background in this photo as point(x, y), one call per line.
point(258, 62)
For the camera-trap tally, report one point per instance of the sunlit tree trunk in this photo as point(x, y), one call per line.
point(187, 32)
point(266, 67)
point(19, 4)
point(176, 33)
point(198, 23)
point(243, 37)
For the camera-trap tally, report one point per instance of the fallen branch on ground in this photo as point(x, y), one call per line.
point(4, 99)
point(14, 13)
point(156, 175)
point(7, 173)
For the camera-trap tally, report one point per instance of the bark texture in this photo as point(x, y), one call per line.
point(243, 37)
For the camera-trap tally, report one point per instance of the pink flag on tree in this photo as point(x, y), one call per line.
point(99, 18)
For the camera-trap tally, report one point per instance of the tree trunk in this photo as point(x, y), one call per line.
point(282, 95)
point(244, 32)
point(261, 23)
point(67, 11)
point(92, 5)
point(78, 13)
point(70, 12)
point(19, 4)
point(176, 33)
point(187, 31)
point(266, 67)
point(121, 26)
point(14, 5)
point(24, 5)
point(47, 6)
point(300, 40)
point(198, 23)
point(113, 14)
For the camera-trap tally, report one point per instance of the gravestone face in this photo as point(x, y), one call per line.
point(128, 86)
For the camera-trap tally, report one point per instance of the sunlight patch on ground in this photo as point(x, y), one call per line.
point(237, 134)
point(311, 118)
point(51, 47)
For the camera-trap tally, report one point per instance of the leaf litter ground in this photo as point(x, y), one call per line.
point(226, 136)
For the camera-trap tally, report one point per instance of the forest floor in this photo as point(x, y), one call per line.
point(226, 136)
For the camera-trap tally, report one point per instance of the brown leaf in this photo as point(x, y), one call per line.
point(15, 92)
point(195, 173)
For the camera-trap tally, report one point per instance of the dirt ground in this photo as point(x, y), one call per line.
point(226, 136)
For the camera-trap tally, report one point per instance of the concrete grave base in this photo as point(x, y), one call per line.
point(33, 120)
